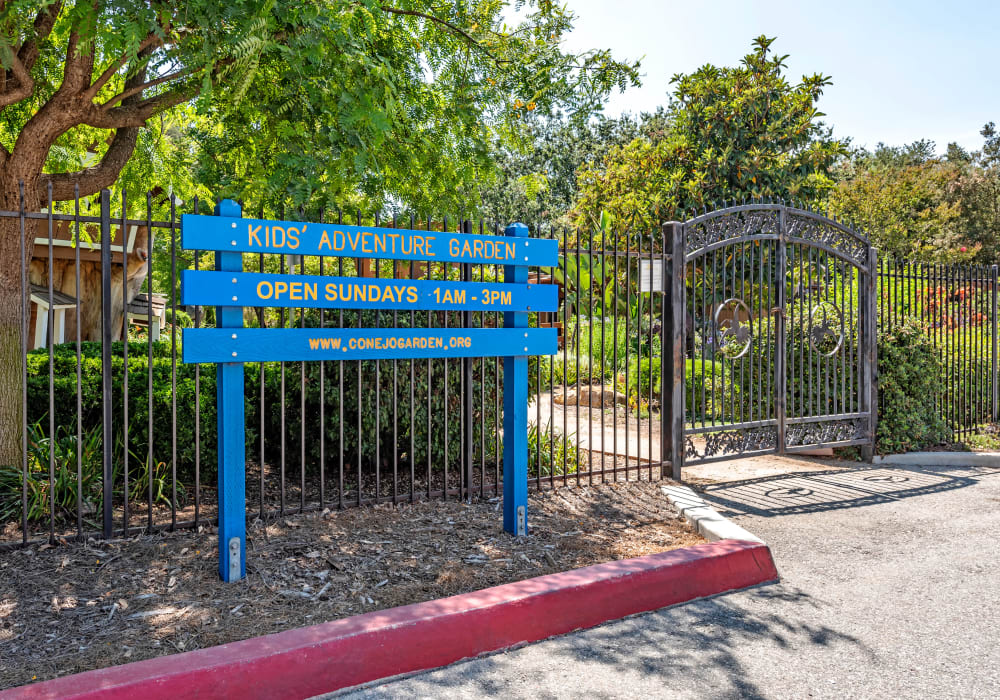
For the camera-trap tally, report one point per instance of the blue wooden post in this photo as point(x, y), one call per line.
point(515, 411)
point(232, 441)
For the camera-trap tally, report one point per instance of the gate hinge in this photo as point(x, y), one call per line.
point(777, 310)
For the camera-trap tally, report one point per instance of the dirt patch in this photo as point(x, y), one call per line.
point(75, 607)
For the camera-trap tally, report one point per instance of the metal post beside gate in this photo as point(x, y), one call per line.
point(467, 383)
point(869, 387)
point(672, 414)
point(781, 347)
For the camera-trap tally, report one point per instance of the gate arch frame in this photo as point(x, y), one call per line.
point(790, 225)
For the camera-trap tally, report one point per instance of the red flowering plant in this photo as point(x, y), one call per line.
point(951, 308)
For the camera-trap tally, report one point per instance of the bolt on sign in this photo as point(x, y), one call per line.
point(230, 345)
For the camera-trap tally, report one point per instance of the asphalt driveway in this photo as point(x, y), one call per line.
point(890, 589)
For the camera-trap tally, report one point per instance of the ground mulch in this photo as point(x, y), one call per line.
point(75, 607)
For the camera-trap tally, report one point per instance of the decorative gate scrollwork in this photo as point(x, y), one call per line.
point(778, 304)
point(734, 334)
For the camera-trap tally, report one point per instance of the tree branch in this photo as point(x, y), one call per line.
point(91, 180)
point(44, 21)
point(94, 179)
point(79, 66)
point(25, 85)
point(136, 114)
point(109, 72)
point(453, 28)
point(151, 83)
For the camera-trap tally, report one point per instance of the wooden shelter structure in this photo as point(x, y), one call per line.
point(145, 311)
point(129, 248)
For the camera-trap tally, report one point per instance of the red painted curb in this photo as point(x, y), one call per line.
point(304, 662)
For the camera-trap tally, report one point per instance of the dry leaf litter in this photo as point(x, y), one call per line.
point(75, 607)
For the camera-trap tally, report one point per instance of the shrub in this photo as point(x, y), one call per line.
point(594, 338)
point(64, 390)
point(183, 318)
point(907, 383)
point(594, 352)
point(707, 395)
point(66, 489)
point(564, 371)
point(643, 376)
point(357, 444)
point(564, 458)
point(703, 381)
point(361, 444)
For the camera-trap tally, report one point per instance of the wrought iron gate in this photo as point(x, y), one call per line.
point(772, 342)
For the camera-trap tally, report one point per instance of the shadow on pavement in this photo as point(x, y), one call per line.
point(692, 646)
point(815, 491)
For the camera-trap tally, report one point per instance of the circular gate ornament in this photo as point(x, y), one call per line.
point(826, 323)
point(734, 332)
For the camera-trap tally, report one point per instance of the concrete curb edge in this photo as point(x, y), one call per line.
point(942, 459)
point(309, 661)
point(705, 519)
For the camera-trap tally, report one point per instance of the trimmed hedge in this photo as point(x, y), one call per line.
point(64, 389)
point(357, 444)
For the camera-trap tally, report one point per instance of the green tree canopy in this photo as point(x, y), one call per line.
point(904, 204)
point(734, 133)
point(977, 191)
point(299, 100)
point(536, 179)
point(920, 206)
point(296, 103)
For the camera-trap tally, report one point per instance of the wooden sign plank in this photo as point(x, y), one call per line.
point(343, 240)
point(308, 344)
point(210, 288)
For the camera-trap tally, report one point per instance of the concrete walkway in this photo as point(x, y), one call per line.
point(601, 430)
point(890, 589)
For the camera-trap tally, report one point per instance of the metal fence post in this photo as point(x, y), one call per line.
point(993, 346)
point(467, 411)
point(106, 398)
point(25, 315)
point(231, 435)
point(869, 342)
point(515, 411)
point(672, 427)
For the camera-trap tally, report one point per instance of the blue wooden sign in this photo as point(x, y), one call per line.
point(229, 345)
point(343, 240)
point(210, 288)
point(309, 344)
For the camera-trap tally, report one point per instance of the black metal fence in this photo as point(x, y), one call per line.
point(119, 436)
point(955, 306)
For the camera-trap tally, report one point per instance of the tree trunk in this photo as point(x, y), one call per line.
point(14, 293)
point(13, 327)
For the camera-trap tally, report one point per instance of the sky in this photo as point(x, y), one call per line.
point(901, 70)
